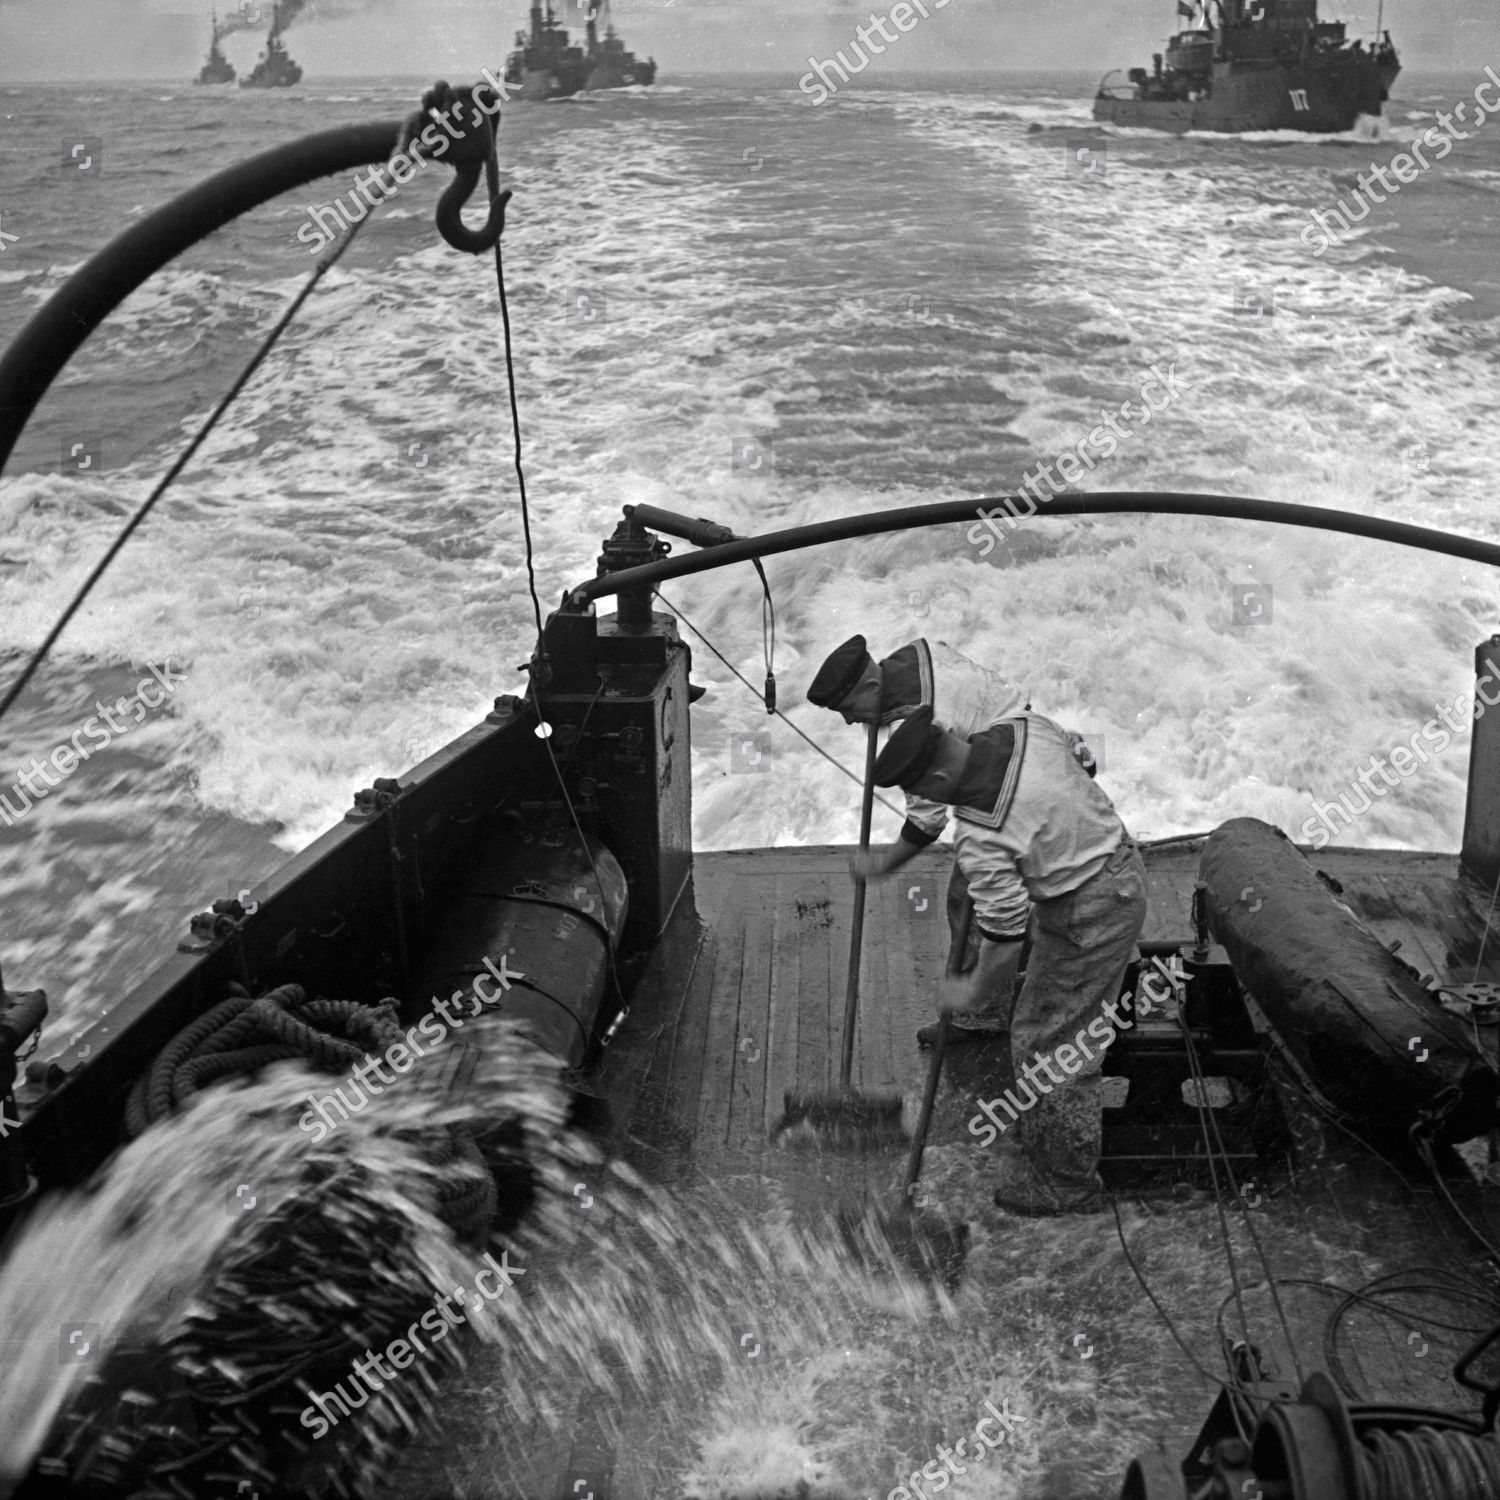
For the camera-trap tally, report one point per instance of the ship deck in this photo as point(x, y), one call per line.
point(743, 1002)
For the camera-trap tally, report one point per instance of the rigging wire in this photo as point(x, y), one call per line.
point(750, 686)
point(515, 427)
point(539, 674)
point(133, 524)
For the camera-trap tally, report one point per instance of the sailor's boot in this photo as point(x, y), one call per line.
point(1056, 1171)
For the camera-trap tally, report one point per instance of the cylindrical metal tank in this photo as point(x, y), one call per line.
point(529, 932)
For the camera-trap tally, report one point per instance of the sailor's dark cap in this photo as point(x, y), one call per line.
point(909, 750)
point(840, 672)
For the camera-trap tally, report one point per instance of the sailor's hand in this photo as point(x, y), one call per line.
point(956, 992)
point(869, 864)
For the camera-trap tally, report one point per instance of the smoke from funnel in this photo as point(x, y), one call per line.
point(246, 17)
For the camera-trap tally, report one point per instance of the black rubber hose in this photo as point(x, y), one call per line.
point(954, 512)
point(41, 349)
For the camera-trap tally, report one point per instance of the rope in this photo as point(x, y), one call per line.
point(241, 1035)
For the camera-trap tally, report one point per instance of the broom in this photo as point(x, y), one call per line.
point(848, 1117)
point(931, 1247)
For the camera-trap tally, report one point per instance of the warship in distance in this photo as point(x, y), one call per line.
point(275, 68)
point(1254, 65)
point(546, 64)
point(217, 68)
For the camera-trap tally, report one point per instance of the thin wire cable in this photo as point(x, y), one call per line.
point(837, 764)
point(1424, 1151)
point(133, 524)
point(1484, 938)
point(1162, 1313)
point(1468, 1287)
point(539, 675)
point(515, 425)
point(1293, 1078)
point(767, 635)
point(1208, 1150)
point(1212, 1122)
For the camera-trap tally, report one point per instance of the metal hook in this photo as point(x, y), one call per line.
point(450, 223)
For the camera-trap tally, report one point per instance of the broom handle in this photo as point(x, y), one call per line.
point(857, 932)
point(956, 952)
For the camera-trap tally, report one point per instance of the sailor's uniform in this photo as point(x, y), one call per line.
point(965, 698)
point(1032, 825)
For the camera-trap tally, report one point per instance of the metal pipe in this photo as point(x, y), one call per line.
point(951, 512)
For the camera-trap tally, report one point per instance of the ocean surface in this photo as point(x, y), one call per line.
point(735, 304)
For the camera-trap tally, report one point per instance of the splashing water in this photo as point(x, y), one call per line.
point(736, 1354)
point(92, 1276)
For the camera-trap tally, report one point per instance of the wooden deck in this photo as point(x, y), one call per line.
point(743, 1002)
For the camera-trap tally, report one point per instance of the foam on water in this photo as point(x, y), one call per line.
point(716, 312)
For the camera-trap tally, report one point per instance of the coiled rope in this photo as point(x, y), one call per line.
point(243, 1034)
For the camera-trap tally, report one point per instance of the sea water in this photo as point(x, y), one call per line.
point(732, 303)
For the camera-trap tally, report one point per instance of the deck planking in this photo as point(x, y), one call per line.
point(743, 1001)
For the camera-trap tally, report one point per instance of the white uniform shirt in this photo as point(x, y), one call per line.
point(1060, 831)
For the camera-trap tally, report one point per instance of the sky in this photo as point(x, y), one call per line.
point(67, 40)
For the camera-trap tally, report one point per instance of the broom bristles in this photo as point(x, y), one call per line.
point(848, 1118)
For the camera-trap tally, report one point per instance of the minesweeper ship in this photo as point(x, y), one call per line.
point(1254, 65)
point(216, 68)
point(546, 64)
point(275, 68)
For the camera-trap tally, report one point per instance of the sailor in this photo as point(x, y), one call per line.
point(863, 690)
point(1031, 823)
